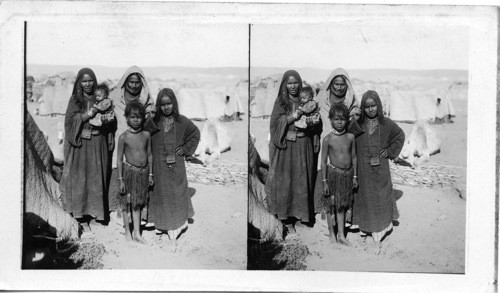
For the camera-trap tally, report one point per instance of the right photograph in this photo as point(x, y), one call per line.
point(358, 146)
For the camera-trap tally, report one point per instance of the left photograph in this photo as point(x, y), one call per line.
point(135, 145)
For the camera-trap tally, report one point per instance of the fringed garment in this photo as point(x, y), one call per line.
point(136, 184)
point(340, 185)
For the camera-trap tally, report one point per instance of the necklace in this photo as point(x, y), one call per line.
point(134, 131)
point(334, 131)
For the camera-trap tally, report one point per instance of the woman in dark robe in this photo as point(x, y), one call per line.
point(86, 170)
point(292, 167)
point(174, 137)
point(381, 139)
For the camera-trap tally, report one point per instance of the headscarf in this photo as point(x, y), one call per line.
point(283, 91)
point(77, 87)
point(117, 96)
point(323, 96)
point(371, 95)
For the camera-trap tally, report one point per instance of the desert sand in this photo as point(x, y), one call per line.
point(430, 234)
point(216, 235)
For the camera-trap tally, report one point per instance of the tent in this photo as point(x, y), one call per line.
point(204, 103)
point(55, 99)
point(412, 105)
point(43, 212)
point(262, 102)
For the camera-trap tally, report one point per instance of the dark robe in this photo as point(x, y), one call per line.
point(374, 205)
point(170, 204)
point(86, 165)
point(292, 169)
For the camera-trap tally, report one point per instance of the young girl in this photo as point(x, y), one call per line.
point(174, 137)
point(340, 176)
point(381, 139)
point(135, 174)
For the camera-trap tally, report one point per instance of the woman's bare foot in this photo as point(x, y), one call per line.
point(374, 247)
point(138, 238)
point(344, 241)
point(128, 237)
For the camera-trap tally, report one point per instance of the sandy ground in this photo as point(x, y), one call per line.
point(430, 236)
point(216, 236)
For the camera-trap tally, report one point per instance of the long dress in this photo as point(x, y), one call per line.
point(84, 180)
point(292, 169)
point(170, 205)
point(374, 205)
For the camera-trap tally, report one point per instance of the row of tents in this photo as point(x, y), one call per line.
point(400, 103)
point(195, 101)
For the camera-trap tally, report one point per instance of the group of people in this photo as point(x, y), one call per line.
point(347, 176)
point(125, 152)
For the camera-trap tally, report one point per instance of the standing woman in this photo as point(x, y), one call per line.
point(381, 139)
point(336, 90)
point(132, 87)
point(86, 154)
point(174, 137)
point(292, 167)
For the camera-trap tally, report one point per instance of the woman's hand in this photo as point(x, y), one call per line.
point(326, 190)
point(179, 151)
point(153, 111)
point(121, 187)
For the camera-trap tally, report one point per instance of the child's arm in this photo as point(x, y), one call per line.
point(354, 158)
point(324, 162)
point(121, 143)
point(150, 159)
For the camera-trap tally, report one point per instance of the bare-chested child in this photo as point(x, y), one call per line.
point(340, 178)
point(136, 171)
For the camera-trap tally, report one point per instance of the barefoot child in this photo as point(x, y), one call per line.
point(340, 177)
point(135, 173)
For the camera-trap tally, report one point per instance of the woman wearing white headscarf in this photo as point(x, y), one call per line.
point(337, 89)
point(132, 87)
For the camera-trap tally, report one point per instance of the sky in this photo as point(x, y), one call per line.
point(119, 43)
point(390, 43)
point(386, 43)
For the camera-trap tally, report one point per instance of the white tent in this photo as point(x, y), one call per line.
point(262, 102)
point(410, 106)
point(204, 103)
point(55, 99)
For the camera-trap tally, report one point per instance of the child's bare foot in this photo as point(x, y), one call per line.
point(138, 238)
point(128, 237)
point(344, 241)
point(332, 238)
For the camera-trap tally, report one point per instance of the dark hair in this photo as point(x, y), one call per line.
point(103, 87)
point(283, 90)
point(380, 111)
point(135, 107)
point(166, 92)
point(308, 90)
point(338, 108)
point(77, 92)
